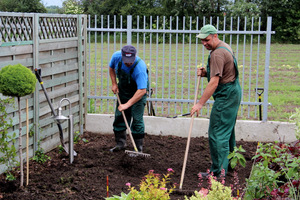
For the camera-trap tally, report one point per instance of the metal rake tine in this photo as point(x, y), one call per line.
point(137, 153)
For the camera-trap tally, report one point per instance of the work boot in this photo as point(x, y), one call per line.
point(120, 138)
point(139, 144)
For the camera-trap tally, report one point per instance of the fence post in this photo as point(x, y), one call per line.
point(80, 19)
point(267, 65)
point(129, 29)
point(36, 92)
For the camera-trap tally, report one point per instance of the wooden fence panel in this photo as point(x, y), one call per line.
point(55, 44)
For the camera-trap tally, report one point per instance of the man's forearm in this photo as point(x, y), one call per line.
point(136, 97)
point(209, 90)
point(112, 75)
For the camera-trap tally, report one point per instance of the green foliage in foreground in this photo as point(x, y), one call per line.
point(217, 191)
point(153, 187)
point(276, 173)
point(7, 148)
point(40, 156)
point(236, 157)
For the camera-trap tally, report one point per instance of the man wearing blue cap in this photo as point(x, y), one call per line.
point(223, 84)
point(131, 72)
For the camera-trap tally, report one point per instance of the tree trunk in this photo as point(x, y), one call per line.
point(20, 145)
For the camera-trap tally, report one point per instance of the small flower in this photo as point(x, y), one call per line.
point(204, 192)
point(170, 170)
point(162, 188)
point(286, 190)
point(151, 171)
point(223, 181)
point(128, 184)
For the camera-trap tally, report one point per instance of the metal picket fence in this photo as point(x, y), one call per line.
point(172, 54)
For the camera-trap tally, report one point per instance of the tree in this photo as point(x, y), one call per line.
point(55, 9)
point(240, 8)
point(285, 18)
point(72, 7)
point(17, 81)
point(27, 6)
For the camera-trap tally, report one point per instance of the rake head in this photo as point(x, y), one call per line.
point(136, 153)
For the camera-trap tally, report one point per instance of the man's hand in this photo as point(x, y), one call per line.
point(123, 107)
point(195, 109)
point(201, 72)
point(136, 97)
point(114, 88)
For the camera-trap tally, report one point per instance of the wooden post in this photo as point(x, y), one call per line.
point(27, 143)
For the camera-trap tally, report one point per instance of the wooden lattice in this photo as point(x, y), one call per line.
point(20, 28)
point(53, 27)
point(16, 28)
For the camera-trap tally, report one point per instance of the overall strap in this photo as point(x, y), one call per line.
point(131, 71)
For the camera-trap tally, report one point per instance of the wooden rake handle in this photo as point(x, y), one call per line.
point(127, 126)
point(189, 136)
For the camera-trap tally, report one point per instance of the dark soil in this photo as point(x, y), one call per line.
point(86, 177)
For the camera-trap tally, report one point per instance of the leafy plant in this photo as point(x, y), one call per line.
point(6, 141)
point(10, 176)
point(123, 196)
point(152, 187)
point(276, 173)
point(77, 138)
point(17, 81)
point(40, 156)
point(236, 157)
point(216, 191)
point(262, 181)
point(60, 149)
point(295, 117)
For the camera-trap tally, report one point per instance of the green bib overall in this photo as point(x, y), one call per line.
point(134, 115)
point(222, 120)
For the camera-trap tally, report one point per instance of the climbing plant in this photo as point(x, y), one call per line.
point(17, 81)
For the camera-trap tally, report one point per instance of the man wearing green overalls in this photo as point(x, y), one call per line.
point(223, 85)
point(131, 72)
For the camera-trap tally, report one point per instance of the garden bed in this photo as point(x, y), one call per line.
point(86, 177)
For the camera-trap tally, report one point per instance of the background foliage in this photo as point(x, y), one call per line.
point(280, 11)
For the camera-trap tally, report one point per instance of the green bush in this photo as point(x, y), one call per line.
point(16, 81)
point(217, 191)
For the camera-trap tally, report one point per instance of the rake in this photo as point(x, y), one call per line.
point(135, 152)
point(189, 136)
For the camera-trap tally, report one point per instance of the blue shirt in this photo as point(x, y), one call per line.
point(139, 74)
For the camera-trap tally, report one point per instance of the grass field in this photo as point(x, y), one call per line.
point(173, 78)
point(284, 84)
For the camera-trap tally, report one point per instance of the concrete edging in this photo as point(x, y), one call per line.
point(245, 129)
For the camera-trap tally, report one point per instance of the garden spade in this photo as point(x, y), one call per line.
point(38, 76)
point(135, 152)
